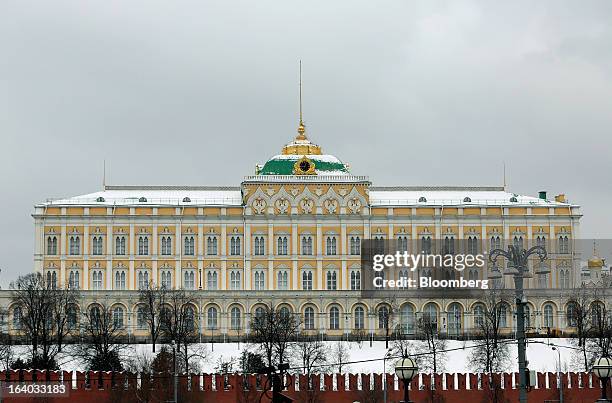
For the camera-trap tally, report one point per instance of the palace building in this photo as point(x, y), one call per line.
point(291, 235)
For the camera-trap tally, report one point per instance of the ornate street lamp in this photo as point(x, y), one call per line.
point(518, 260)
point(406, 369)
point(603, 370)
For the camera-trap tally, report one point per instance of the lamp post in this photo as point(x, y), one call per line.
point(518, 259)
point(559, 380)
point(406, 369)
point(603, 370)
point(175, 374)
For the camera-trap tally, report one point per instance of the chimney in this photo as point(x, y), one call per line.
point(542, 194)
point(560, 198)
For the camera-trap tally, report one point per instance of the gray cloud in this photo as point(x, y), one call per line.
point(411, 93)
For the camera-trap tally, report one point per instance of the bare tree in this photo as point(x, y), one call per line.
point(579, 317)
point(103, 337)
point(178, 323)
point(491, 353)
point(428, 329)
point(152, 298)
point(311, 354)
point(340, 356)
point(273, 330)
point(43, 317)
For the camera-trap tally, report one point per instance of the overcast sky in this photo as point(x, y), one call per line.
point(409, 93)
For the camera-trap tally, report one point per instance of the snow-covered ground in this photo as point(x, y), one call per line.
point(361, 357)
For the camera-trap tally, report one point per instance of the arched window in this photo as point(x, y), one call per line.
point(143, 245)
point(211, 280)
point(330, 245)
point(454, 318)
point(518, 242)
point(332, 280)
point(166, 245)
point(74, 280)
point(75, 245)
point(52, 245)
point(235, 246)
point(548, 316)
point(284, 312)
point(235, 321)
point(383, 317)
point(479, 316)
point(541, 241)
point(472, 245)
point(564, 244)
point(52, 279)
point(95, 317)
point(120, 245)
point(281, 245)
point(571, 314)
point(307, 280)
point(359, 318)
point(527, 314)
point(402, 243)
point(235, 280)
point(495, 242)
point(141, 317)
point(17, 318)
point(120, 280)
point(260, 246)
point(211, 245)
point(166, 279)
point(334, 318)
point(260, 280)
point(430, 315)
point(307, 245)
point(189, 246)
point(426, 245)
point(473, 274)
point(449, 245)
point(542, 280)
point(211, 318)
point(309, 318)
point(502, 315)
point(355, 245)
point(355, 280)
point(189, 280)
point(407, 319)
point(282, 280)
point(260, 314)
point(189, 318)
point(143, 279)
point(97, 279)
point(598, 317)
point(118, 317)
point(97, 245)
point(71, 317)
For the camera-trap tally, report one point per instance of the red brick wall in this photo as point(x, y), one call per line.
point(98, 387)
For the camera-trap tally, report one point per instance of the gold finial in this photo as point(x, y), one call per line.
point(301, 127)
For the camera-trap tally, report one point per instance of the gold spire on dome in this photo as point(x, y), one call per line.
point(595, 262)
point(301, 145)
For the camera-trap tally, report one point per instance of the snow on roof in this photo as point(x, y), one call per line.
point(157, 195)
point(231, 196)
point(450, 196)
point(314, 157)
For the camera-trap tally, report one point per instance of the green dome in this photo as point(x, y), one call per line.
point(283, 165)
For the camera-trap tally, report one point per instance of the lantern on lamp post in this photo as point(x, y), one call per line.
point(603, 370)
point(406, 369)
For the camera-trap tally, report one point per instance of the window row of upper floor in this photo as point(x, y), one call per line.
point(449, 244)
